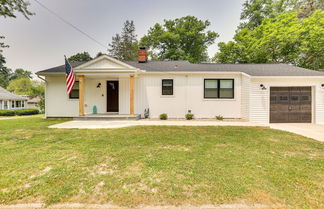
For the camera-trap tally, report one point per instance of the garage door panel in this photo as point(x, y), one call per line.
point(290, 105)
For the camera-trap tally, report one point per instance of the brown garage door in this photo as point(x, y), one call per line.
point(290, 105)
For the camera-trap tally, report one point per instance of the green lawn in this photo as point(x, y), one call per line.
point(158, 165)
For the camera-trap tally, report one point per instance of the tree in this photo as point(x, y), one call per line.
point(9, 7)
point(80, 57)
point(312, 41)
point(5, 74)
point(124, 47)
point(38, 90)
point(21, 86)
point(183, 38)
point(283, 39)
point(254, 11)
point(21, 73)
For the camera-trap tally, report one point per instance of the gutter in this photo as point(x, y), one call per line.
point(38, 76)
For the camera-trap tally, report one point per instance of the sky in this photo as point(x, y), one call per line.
point(42, 41)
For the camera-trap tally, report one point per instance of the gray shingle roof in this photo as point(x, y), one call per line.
point(184, 66)
point(6, 95)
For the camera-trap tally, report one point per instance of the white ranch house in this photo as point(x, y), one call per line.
point(261, 93)
point(10, 101)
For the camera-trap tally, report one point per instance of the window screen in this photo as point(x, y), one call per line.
point(167, 87)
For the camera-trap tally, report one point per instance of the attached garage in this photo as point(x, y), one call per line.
point(290, 105)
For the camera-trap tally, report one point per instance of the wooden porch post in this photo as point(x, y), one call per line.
point(81, 95)
point(131, 95)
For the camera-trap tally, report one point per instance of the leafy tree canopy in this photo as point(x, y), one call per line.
point(26, 86)
point(6, 75)
point(124, 46)
point(282, 39)
point(80, 57)
point(9, 7)
point(183, 38)
point(254, 11)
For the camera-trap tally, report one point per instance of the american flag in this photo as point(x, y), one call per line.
point(70, 78)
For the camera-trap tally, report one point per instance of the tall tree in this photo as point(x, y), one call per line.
point(183, 38)
point(283, 39)
point(21, 73)
point(9, 7)
point(21, 86)
point(80, 57)
point(124, 46)
point(254, 11)
point(5, 74)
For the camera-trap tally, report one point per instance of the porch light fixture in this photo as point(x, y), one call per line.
point(99, 85)
point(263, 87)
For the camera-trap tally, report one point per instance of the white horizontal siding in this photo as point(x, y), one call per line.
point(245, 97)
point(260, 99)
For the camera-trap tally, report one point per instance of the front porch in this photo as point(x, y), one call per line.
point(107, 87)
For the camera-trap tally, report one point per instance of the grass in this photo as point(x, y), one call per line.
point(158, 165)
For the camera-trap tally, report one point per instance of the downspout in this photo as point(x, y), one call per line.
point(38, 76)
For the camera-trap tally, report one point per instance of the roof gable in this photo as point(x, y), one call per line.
point(104, 63)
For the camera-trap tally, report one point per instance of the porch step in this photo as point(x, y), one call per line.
point(108, 117)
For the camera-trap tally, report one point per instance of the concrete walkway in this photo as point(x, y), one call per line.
point(309, 130)
point(94, 124)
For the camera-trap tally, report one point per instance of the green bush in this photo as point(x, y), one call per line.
point(164, 116)
point(27, 112)
point(189, 116)
point(219, 117)
point(7, 113)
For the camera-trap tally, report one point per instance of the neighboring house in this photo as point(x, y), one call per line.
point(10, 101)
point(32, 102)
point(260, 93)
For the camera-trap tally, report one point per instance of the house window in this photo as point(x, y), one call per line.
point(219, 88)
point(211, 88)
point(12, 104)
point(18, 103)
point(167, 86)
point(5, 105)
point(75, 91)
point(0, 104)
point(226, 88)
point(23, 104)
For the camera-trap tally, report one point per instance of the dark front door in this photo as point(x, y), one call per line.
point(290, 105)
point(112, 96)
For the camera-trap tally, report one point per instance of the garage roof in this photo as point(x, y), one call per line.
point(185, 66)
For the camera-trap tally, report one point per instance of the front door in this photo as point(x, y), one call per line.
point(112, 96)
point(290, 105)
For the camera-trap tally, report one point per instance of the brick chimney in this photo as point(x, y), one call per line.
point(142, 55)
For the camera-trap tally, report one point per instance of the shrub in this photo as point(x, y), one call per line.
point(7, 113)
point(219, 117)
point(164, 116)
point(189, 116)
point(27, 112)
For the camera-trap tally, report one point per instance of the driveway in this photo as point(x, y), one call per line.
point(309, 130)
